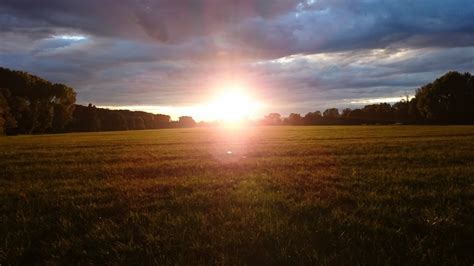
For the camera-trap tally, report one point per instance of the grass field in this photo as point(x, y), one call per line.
point(270, 195)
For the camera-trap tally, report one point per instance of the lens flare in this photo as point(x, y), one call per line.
point(232, 105)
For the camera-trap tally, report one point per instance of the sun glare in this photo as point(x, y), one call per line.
point(232, 105)
point(229, 105)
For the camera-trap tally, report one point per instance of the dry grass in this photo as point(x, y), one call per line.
point(285, 195)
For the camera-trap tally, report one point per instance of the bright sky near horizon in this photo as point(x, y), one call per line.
point(188, 57)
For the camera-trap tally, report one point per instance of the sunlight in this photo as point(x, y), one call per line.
point(381, 100)
point(232, 105)
point(70, 37)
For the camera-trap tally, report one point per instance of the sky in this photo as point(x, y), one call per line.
point(171, 56)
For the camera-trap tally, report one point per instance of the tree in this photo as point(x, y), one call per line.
point(139, 123)
point(113, 120)
point(186, 121)
point(7, 121)
point(380, 111)
point(161, 121)
point(294, 119)
point(346, 112)
point(312, 118)
point(272, 119)
point(413, 111)
point(331, 113)
point(449, 99)
point(400, 110)
point(3, 111)
point(19, 109)
point(36, 104)
point(85, 119)
point(356, 113)
point(63, 106)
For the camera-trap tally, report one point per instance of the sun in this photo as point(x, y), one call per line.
point(233, 104)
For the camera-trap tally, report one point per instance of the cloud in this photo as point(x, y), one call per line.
point(332, 26)
point(160, 20)
point(319, 81)
point(298, 55)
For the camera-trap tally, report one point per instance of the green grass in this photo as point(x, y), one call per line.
point(285, 195)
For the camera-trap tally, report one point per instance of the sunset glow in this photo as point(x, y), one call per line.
point(231, 104)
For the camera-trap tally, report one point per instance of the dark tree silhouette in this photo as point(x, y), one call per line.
point(294, 119)
point(449, 99)
point(331, 113)
point(272, 119)
point(114, 121)
point(37, 105)
point(29, 104)
point(7, 121)
point(63, 106)
point(312, 118)
point(85, 119)
point(91, 118)
point(346, 112)
point(380, 112)
point(186, 121)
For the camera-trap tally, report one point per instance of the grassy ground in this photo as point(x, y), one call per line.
point(272, 195)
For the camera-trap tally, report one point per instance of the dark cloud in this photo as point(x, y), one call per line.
point(299, 54)
point(166, 20)
point(331, 26)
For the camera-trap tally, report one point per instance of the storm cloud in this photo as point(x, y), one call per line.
point(299, 55)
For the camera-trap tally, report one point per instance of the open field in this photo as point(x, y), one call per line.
point(273, 195)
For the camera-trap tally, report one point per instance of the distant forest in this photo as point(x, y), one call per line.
point(32, 105)
point(447, 100)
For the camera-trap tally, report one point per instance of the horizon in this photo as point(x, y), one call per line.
point(291, 56)
point(237, 132)
point(176, 112)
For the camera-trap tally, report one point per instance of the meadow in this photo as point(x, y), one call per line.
point(330, 195)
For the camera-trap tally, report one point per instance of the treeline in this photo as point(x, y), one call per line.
point(447, 100)
point(29, 104)
point(90, 118)
point(32, 105)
